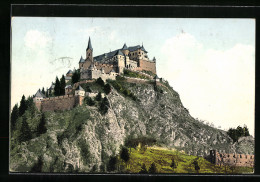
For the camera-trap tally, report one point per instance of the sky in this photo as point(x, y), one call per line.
point(209, 62)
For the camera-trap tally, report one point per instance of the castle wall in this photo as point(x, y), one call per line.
point(146, 65)
point(61, 102)
point(231, 159)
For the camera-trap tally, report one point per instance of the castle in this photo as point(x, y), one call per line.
point(104, 66)
point(111, 64)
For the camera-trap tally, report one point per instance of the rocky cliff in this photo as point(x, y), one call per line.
point(82, 139)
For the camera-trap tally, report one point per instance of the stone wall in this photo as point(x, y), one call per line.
point(65, 102)
point(231, 159)
point(147, 65)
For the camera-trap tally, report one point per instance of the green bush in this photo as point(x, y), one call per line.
point(89, 101)
point(134, 74)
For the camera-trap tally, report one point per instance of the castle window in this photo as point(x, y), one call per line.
point(240, 156)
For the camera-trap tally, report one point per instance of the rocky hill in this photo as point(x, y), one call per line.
point(81, 138)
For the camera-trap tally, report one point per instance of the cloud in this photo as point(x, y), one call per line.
point(215, 85)
point(35, 39)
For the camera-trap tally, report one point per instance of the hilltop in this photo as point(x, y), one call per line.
point(85, 136)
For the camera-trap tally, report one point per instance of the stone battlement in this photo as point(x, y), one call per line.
point(231, 159)
point(64, 102)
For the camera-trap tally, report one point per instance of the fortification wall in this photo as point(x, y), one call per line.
point(65, 102)
point(232, 159)
point(146, 65)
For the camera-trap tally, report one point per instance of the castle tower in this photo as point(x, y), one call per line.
point(125, 50)
point(89, 51)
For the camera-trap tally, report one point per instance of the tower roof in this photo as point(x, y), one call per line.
point(80, 88)
point(69, 72)
point(119, 52)
point(39, 94)
point(124, 47)
point(81, 60)
point(89, 45)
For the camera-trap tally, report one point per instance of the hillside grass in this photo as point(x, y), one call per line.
point(133, 74)
point(162, 157)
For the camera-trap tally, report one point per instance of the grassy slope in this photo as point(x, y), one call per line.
point(163, 157)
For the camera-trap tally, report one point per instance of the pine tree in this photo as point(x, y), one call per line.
point(14, 116)
point(25, 131)
point(100, 82)
point(57, 87)
point(47, 92)
point(22, 107)
point(75, 77)
point(62, 85)
point(173, 164)
point(98, 97)
point(152, 168)
point(41, 129)
point(107, 88)
point(43, 91)
point(104, 105)
point(112, 163)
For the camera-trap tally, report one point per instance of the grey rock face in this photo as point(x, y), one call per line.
point(158, 113)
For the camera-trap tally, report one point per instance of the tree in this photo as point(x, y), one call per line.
point(104, 105)
point(41, 129)
point(124, 154)
point(57, 87)
point(246, 132)
point(143, 169)
point(43, 91)
point(107, 88)
point(22, 107)
point(112, 163)
point(62, 85)
point(152, 168)
point(75, 77)
point(89, 101)
point(14, 116)
point(47, 92)
point(196, 166)
point(100, 82)
point(173, 164)
point(25, 131)
point(98, 97)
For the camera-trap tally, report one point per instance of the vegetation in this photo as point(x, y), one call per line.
point(100, 82)
point(98, 97)
point(104, 105)
point(89, 101)
point(62, 85)
point(134, 74)
point(160, 160)
point(235, 134)
point(107, 88)
point(75, 77)
point(57, 87)
point(123, 90)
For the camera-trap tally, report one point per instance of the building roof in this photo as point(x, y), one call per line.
point(39, 94)
point(111, 54)
point(68, 86)
point(69, 72)
point(125, 47)
point(89, 44)
point(119, 52)
point(80, 88)
point(81, 60)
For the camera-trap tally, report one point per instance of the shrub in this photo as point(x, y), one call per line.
point(153, 168)
point(143, 169)
point(107, 88)
point(112, 163)
point(100, 82)
point(98, 97)
point(104, 105)
point(124, 154)
point(89, 101)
